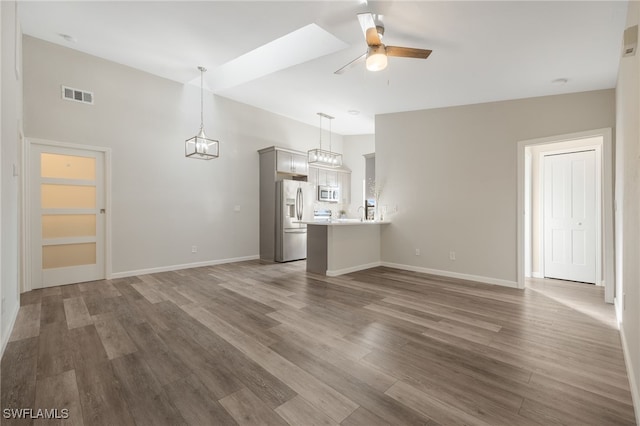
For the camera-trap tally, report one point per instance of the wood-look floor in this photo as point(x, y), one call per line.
point(250, 344)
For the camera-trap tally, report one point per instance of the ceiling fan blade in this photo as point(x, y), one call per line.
point(352, 64)
point(368, 25)
point(408, 52)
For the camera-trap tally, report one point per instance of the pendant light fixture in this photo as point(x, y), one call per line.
point(321, 157)
point(200, 146)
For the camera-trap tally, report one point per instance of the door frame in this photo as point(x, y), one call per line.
point(606, 206)
point(598, 201)
point(26, 282)
point(528, 193)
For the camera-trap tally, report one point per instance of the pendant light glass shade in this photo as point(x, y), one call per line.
point(377, 58)
point(322, 157)
point(200, 146)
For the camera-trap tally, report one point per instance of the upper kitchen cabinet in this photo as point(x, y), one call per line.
point(338, 178)
point(312, 177)
point(282, 163)
point(291, 162)
point(345, 187)
point(300, 164)
point(328, 177)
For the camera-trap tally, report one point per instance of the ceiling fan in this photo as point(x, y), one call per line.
point(377, 52)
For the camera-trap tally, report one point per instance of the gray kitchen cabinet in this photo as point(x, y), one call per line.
point(300, 165)
point(276, 164)
point(345, 187)
point(322, 177)
point(289, 162)
point(340, 178)
point(327, 177)
point(332, 178)
point(312, 176)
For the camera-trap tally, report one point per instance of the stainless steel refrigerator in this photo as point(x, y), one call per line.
point(294, 204)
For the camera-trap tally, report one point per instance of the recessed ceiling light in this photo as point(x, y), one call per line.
point(67, 37)
point(353, 112)
point(560, 81)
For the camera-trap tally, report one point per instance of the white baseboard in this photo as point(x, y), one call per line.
point(12, 322)
point(336, 272)
point(449, 274)
point(125, 274)
point(635, 391)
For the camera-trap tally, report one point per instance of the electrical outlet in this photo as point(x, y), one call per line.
point(452, 255)
point(236, 208)
point(417, 252)
point(194, 249)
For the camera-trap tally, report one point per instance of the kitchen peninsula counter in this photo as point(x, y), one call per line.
point(342, 246)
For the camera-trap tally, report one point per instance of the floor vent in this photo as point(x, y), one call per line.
point(77, 95)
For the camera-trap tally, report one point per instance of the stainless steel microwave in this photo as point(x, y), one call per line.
point(328, 194)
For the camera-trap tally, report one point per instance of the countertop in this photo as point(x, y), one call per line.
point(343, 222)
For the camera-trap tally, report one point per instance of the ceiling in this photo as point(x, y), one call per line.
point(482, 51)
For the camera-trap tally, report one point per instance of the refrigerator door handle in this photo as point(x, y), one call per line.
point(300, 196)
point(295, 231)
point(298, 203)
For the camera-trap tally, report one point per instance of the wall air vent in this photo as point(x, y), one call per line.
point(77, 95)
point(630, 41)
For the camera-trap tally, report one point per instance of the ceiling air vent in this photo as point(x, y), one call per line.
point(77, 95)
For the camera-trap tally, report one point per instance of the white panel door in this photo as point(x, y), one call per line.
point(570, 216)
point(67, 200)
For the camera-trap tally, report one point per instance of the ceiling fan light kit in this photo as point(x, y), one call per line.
point(200, 146)
point(376, 58)
point(321, 157)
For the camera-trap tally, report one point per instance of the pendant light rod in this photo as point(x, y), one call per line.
point(321, 157)
point(330, 119)
point(320, 115)
point(202, 71)
point(327, 116)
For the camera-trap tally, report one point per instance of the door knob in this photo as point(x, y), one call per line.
point(579, 223)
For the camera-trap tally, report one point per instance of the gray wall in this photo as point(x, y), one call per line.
point(10, 125)
point(355, 147)
point(163, 203)
point(451, 174)
point(627, 199)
